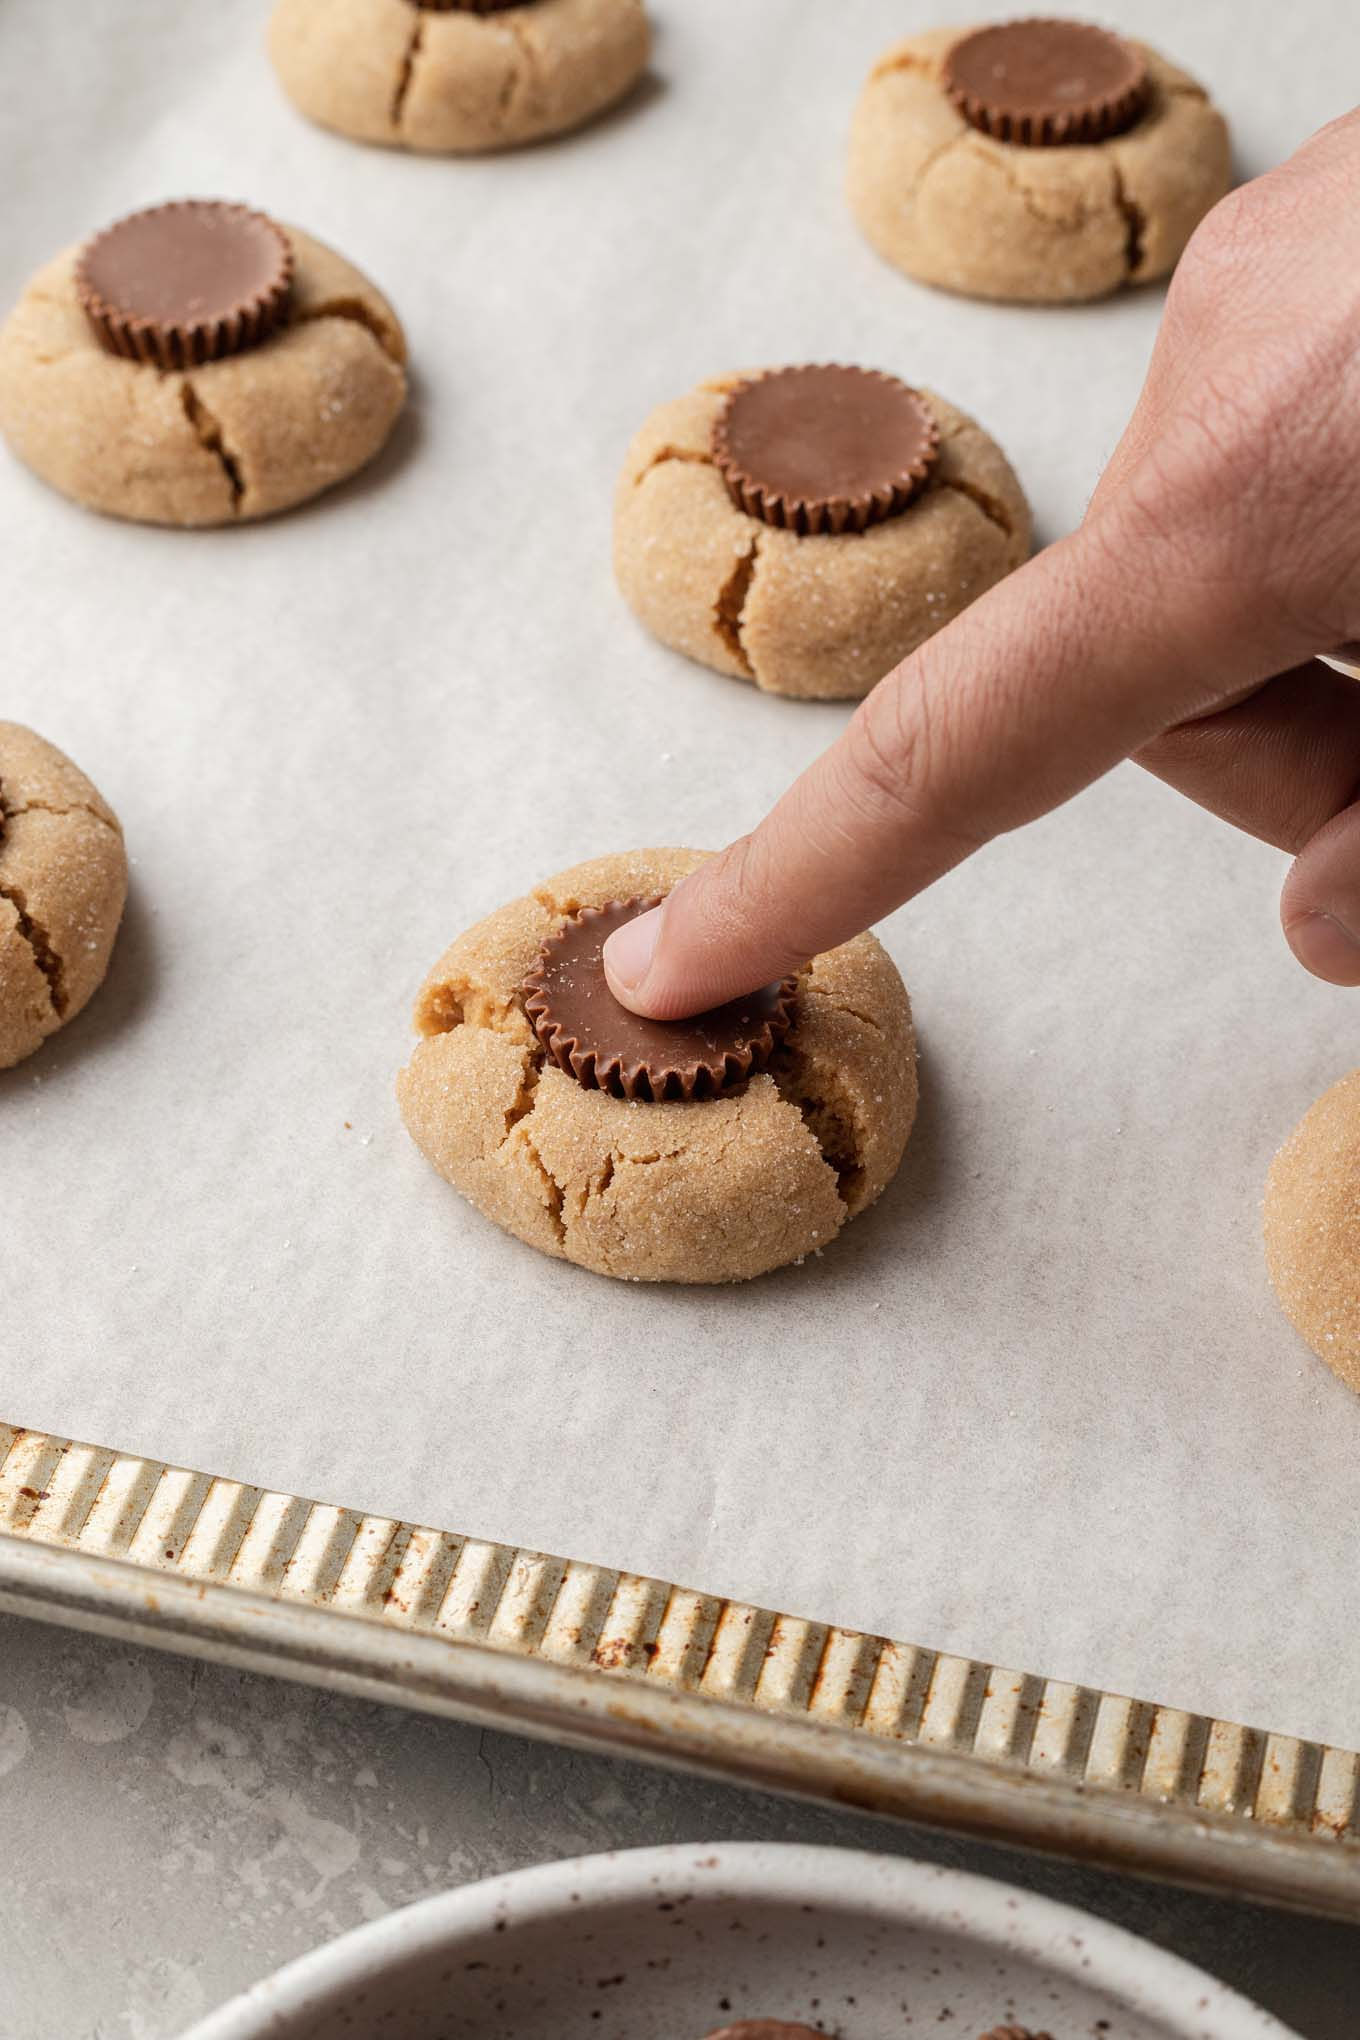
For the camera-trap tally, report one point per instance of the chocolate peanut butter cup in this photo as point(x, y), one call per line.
point(824, 449)
point(1042, 83)
point(589, 1034)
point(185, 283)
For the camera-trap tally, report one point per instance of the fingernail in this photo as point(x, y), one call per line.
point(628, 953)
point(1325, 945)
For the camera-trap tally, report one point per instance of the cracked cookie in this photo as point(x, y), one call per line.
point(199, 364)
point(1036, 161)
point(880, 513)
point(63, 881)
point(456, 76)
point(1312, 1228)
point(700, 1189)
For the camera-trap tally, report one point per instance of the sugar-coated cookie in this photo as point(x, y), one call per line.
point(63, 881)
point(122, 391)
point(704, 1188)
point(1052, 181)
point(453, 76)
point(817, 580)
point(1312, 1228)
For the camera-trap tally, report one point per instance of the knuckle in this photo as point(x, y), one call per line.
point(742, 888)
point(888, 760)
point(900, 750)
point(745, 905)
point(1249, 472)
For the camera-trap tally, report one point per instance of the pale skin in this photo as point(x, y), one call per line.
point(1180, 625)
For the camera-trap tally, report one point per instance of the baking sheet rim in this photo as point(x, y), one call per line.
point(192, 1562)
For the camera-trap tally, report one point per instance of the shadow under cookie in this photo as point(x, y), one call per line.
point(697, 1188)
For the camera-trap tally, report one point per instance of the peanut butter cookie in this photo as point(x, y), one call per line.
point(452, 76)
point(806, 528)
point(63, 881)
point(198, 364)
point(1312, 1228)
point(701, 1174)
point(1037, 160)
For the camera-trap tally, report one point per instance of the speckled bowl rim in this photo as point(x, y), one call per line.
point(1078, 1947)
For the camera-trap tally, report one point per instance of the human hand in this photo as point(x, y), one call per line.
point(1179, 624)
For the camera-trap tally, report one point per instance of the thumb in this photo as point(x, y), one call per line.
point(1039, 687)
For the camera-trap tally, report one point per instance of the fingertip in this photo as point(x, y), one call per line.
point(627, 957)
point(1325, 946)
point(1320, 907)
point(668, 963)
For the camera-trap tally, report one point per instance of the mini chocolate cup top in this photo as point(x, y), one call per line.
point(1044, 83)
point(824, 449)
point(185, 283)
point(587, 1033)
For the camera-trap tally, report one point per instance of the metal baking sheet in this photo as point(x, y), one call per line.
point(1038, 1408)
point(579, 1653)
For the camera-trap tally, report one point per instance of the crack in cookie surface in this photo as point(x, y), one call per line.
point(936, 155)
point(406, 72)
point(523, 1103)
point(915, 61)
point(669, 453)
point(556, 1195)
point(812, 990)
point(730, 606)
point(27, 928)
point(526, 79)
point(462, 1002)
point(49, 807)
point(1135, 222)
point(39, 942)
point(992, 508)
point(208, 433)
point(835, 1130)
point(1067, 220)
point(358, 314)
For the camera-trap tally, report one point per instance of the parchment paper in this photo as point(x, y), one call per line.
point(1039, 1406)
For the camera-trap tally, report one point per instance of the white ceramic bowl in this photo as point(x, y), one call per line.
point(665, 1944)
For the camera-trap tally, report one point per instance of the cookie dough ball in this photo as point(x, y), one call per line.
point(1047, 220)
point(118, 389)
point(713, 1189)
point(63, 881)
point(735, 578)
point(452, 76)
point(1312, 1226)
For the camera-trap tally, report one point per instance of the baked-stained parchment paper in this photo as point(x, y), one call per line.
point(1039, 1405)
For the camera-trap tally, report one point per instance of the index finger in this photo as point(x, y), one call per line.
point(1037, 689)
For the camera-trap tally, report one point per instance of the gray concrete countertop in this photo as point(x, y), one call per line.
point(170, 1831)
